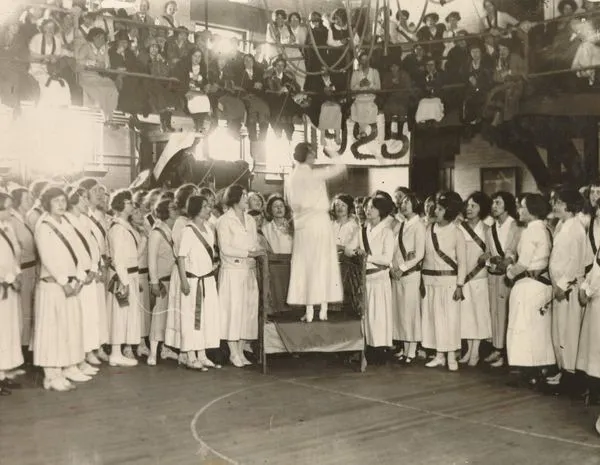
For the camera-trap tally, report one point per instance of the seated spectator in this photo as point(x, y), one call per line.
point(278, 230)
point(457, 58)
point(339, 37)
point(46, 51)
point(478, 76)
point(295, 56)
point(142, 16)
point(414, 63)
point(278, 32)
point(499, 22)
point(132, 98)
point(135, 45)
point(508, 75)
point(395, 105)
point(178, 46)
point(431, 105)
point(401, 33)
point(191, 73)
point(451, 31)
point(98, 88)
point(318, 34)
point(249, 84)
point(364, 110)
point(86, 23)
point(432, 30)
point(325, 109)
point(281, 87)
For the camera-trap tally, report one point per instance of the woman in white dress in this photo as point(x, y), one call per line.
point(124, 287)
point(345, 225)
point(161, 260)
point(238, 287)
point(89, 257)
point(278, 230)
point(172, 335)
point(444, 271)
point(377, 244)
point(168, 17)
point(475, 316)
point(364, 109)
point(529, 334)
point(409, 251)
point(197, 263)
point(10, 281)
point(57, 338)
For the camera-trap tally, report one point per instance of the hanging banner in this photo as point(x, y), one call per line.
point(367, 146)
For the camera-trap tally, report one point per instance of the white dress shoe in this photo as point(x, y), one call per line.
point(166, 353)
point(245, 361)
point(452, 365)
point(236, 361)
point(121, 361)
point(436, 362)
point(128, 353)
point(210, 364)
point(74, 374)
point(142, 350)
point(465, 358)
point(92, 359)
point(151, 360)
point(498, 363)
point(323, 315)
point(58, 384)
point(493, 357)
point(102, 355)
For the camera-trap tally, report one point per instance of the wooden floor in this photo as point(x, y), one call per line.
point(308, 411)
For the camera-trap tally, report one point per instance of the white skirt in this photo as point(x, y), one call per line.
point(588, 356)
point(145, 308)
point(173, 328)
point(315, 272)
point(126, 321)
point(379, 321)
point(441, 317)
point(499, 295)
point(238, 292)
point(90, 317)
point(104, 317)
point(58, 334)
point(28, 280)
point(158, 325)
point(529, 334)
point(208, 336)
point(475, 317)
point(406, 298)
point(566, 330)
point(10, 334)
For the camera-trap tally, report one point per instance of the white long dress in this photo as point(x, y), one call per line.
point(199, 331)
point(529, 334)
point(441, 313)
point(588, 355)
point(98, 227)
point(58, 336)
point(10, 322)
point(145, 307)
point(126, 320)
point(161, 260)
point(475, 317)
point(29, 263)
point(238, 286)
point(408, 256)
point(280, 240)
point(315, 272)
point(379, 321)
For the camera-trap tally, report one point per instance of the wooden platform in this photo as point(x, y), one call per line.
point(313, 410)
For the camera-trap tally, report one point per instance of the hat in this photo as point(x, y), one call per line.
point(453, 14)
point(433, 16)
point(563, 3)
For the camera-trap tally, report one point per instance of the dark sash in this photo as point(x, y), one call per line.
point(206, 245)
point(480, 266)
point(64, 241)
point(128, 230)
point(416, 266)
point(436, 245)
point(98, 225)
point(150, 219)
point(169, 20)
point(81, 237)
point(592, 243)
point(496, 239)
point(368, 250)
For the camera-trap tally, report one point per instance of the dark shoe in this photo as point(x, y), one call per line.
point(10, 384)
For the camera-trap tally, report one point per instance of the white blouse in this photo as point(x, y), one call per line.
point(346, 234)
point(236, 240)
point(9, 256)
point(381, 242)
point(123, 247)
point(161, 256)
point(280, 240)
point(567, 260)
point(534, 247)
point(197, 259)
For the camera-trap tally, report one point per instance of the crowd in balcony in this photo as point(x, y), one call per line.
point(322, 66)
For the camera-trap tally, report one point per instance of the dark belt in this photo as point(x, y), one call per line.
point(496, 273)
point(439, 273)
point(200, 293)
point(132, 269)
point(51, 280)
point(164, 279)
point(536, 275)
point(377, 269)
point(30, 264)
point(143, 270)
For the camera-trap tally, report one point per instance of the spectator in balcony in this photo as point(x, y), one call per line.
point(414, 63)
point(250, 87)
point(281, 86)
point(168, 17)
point(98, 88)
point(220, 94)
point(29, 22)
point(132, 98)
point(295, 56)
point(479, 79)
point(430, 83)
point(457, 58)
point(86, 23)
point(318, 35)
point(278, 32)
point(451, 31)
point(46, 50)
point(143, 16)
point(178, 46)
point(588, 52)
point(509, 76)
point(395, 105)
point(364, 110)
point(401, 33)
point(67, 33)
point(191, 73)
point(162, 98)
point(339, 37)
point(325, 110)
point(133, 33)
point(498, 22)
point(432, 30)
point(278, 229)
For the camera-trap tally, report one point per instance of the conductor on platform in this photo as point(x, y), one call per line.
point(315, 273)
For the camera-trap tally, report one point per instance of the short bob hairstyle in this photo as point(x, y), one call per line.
point(415, 202)
point(571, 197)
point(510, 203)
point(484, 202)
point(194, 205)
point(233, 195)
point(207, 192)
point(118, 199)
point(36, 187)
point(161, 209)
point(50, 193)
point(537, 205)
point(75, 195)
point(138, 198)
point(167, 195)
point(151, 198)
point(268, 209)
point(452, 203)
point(182, 194)
point(383, 206)
point(344, 198)
point(301, 152)
point(17, 195)
point(88, 183)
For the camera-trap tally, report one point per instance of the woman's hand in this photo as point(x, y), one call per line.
point(69, 290)
point(89, 277)
point(155, 289)
point(185, 287)
point(458, 294)
point(396, 273)
point(559, 294)
point(583, 297)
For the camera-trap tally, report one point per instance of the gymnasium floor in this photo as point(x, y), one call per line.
point(308, 410)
